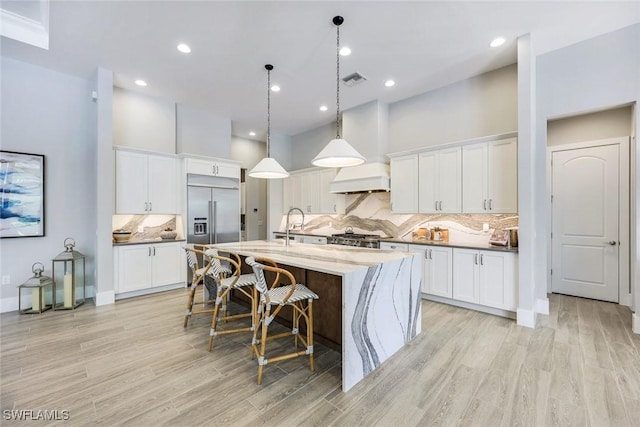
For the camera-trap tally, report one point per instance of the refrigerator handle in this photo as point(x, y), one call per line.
point(210, 221)
point(215, 222)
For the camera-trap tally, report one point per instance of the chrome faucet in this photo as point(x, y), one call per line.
point(288, 227)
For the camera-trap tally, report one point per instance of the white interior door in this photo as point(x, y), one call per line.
point(585, 212)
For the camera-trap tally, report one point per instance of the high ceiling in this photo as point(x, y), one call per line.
point(421, 45)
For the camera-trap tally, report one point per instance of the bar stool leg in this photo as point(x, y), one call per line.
point(263, 343)
point(192, 295)
point(310, 333)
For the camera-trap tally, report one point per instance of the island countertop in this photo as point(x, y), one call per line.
point(332, 259)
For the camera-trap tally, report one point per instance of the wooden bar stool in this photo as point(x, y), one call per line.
point(297, 296)
point(194, 253)
point(244, 283)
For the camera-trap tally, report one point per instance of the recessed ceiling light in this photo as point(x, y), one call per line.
point(252, 134)
point(275, 88)
point(323, 108)
point(345, 51)
point(498, 41)
point(389, 83)
point(140, 82)
point(184, 48)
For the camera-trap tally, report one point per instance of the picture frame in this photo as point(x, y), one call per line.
point(22, 191)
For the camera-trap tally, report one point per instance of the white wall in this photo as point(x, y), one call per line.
point(249, 153)
point(145, 122)
point(593, 75)
point(202, 133)
point(366, 128)
point(50, 113)
point(479, 106)
point(590, 127)
point(306, 145)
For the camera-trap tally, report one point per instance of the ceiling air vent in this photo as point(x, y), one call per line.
point(353, 79)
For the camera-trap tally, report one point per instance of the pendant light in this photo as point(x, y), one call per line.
point(338, 153)
point(268, 168)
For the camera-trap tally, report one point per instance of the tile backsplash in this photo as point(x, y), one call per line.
point(371, 214)
point(151, 225)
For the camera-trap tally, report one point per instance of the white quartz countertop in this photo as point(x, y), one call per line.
point(331, 259)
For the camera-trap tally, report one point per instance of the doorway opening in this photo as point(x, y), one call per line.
point(589, 212)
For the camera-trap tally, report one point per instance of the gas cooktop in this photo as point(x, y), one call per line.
point(357, 240)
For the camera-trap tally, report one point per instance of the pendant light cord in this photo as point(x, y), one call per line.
point(338, 121)
point(268, 110)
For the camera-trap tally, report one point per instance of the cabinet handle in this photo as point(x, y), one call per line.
point(150, 206)
point(149, 250)
point(430, 254)
point(334, 208)
point(146, 206)
point(154, 251)
point(484, 204)
point(436, 205)
point(481, 259)
point(490, 200)
point(440, 204)
point(213, 169)
point(426, 254)
point(217, 170)
point(475, 259)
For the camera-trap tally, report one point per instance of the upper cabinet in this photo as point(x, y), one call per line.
point(479, 176)
point(440, 174)
point(309, 191)
point(404, 184)
point(490, 177)
point(212, 167)
point(146, 183)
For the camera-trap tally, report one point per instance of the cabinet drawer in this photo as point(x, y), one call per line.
point(392, 246)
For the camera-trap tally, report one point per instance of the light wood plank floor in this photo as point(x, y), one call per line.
point(132, 363)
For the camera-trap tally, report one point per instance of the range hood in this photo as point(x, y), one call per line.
point(364, 178)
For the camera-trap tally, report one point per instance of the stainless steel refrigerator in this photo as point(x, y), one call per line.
point(213, 209)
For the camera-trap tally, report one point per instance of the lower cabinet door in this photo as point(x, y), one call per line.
point(438, 272)
point(134, 268)
point(166, 264)
point(465, 275)
point(497, 280)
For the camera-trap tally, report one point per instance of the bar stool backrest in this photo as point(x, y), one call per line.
point(261, 283)
point(216, 269)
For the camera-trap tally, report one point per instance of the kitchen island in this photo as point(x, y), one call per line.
point(379, 301)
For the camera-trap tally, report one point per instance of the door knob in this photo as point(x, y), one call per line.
point(612, 243)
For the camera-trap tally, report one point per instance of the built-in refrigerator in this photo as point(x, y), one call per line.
point(213, 209)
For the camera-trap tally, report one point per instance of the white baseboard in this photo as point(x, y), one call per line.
point(476, 307)
point(9, 304)
point(542, 306)
point(635, 323)
point(625, 299)
point(105, 298)
point(526, 318)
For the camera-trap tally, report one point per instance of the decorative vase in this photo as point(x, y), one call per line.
point(168, 235)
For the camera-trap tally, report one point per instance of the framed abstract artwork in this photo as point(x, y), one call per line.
point(21, 194)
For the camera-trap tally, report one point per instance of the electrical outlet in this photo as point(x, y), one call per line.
point(6, 279)
point(485, 228)
point(141, 229)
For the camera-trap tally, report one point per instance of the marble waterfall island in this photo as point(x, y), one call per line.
point(378, 297)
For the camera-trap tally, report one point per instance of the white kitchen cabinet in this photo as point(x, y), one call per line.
point(437, 276)
point(440, 181)
point(404, 184)
point(490, 177)
point(310, 202)
point(146, 183)
point(213, 168)
point(139, 267)
point(330, 203)
point(310, 191)
point(487, 278)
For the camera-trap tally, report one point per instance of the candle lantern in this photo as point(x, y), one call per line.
point(38, 285)
point(69, 276)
